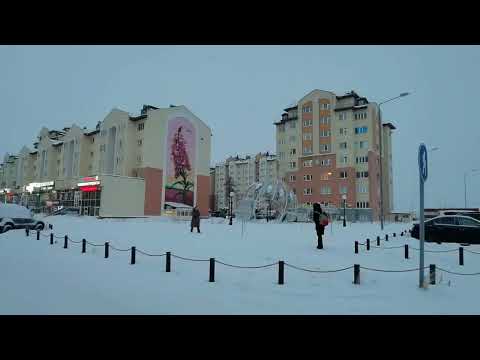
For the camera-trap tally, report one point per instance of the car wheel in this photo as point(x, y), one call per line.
point(7, 227)
point(39, 226)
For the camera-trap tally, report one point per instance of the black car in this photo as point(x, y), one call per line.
point(450, 229)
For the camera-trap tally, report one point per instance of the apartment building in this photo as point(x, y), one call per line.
point(237, 174)
point(328, 148)
point(129, 165)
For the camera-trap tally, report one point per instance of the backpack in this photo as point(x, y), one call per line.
point(323, 219)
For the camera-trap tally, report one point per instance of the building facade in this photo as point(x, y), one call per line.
point(236, 174)
point(163, 153)
point(328, 149)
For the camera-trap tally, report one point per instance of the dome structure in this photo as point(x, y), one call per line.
point(273, 199)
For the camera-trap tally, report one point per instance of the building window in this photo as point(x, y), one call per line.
point(91, 153)
point(307, 150)
point(325, 162)
point(325, 120)
point(363, 189)
point(293, 124)
point(342, 116)
point(93, 140)
point(307, 123)
point(307, 109)
point(324, 133)
point(360, 116)
point(343, 189)
point(324, 147)
point(307, 191)
point(361, 159)
point(292, 164)
point(343, 145)
point(363, 144)
point(140, 127)
point(293, 151)
point(363, 204)
point(293, 139)
point(307, 177)
point(140, 142)
point(343, 131)
point(343, 175)
point(307, 136)
point(361, 130)
point(307, 163)
point(344, 159)
point(362, 174)
point(326, 190)
point(293, 177)
point(325, 106)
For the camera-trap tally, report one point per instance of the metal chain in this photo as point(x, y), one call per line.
point(396, 271)
point(246, 267)
point(470, 251)
point(89, 243)
point(435, 251)
point(318, 271)
point(455, 273)
point(188, 259)
point(114, 248)
point(144, 253)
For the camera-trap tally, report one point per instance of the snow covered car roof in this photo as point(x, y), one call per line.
point(14, 211)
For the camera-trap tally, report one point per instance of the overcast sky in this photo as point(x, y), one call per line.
point(239, 91)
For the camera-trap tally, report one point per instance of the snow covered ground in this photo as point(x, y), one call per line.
point(39, 278)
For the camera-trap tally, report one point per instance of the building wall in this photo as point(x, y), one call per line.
point(122, 196)
point(153, 190)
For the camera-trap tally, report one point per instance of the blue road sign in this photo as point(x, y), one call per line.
point(422, 161)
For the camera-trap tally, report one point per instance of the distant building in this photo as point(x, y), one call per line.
point(238, 173)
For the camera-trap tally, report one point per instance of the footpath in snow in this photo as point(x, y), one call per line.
point(40, 278)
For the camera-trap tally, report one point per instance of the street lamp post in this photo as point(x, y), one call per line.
point(465, 182)
point(344, 197)
point(380, 151)
point(231, 206)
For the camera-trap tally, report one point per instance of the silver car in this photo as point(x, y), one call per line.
point(14, 216)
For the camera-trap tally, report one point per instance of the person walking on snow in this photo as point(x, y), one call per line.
point(195, 219)
point(320, 219)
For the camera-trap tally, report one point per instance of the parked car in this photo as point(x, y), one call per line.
point(473, 214)
point(450, 229)
point(66, 211)
point(13, 216)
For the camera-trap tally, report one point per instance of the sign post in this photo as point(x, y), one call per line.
point(423, 174)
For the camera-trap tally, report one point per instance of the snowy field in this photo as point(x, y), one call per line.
point(39, 278)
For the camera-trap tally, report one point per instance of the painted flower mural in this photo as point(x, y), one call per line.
point(181, 149)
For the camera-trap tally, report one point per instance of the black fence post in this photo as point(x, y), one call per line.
point(51, 238)
point(27, 231)
point(406, 251)
point(167, 266)
point(281, 272)
point(386, 237)
point(132, 261)
point(38, 235)
point(106, 249)
point(356, 274)
point(432, 274)
point(378, 240)
point(50, 226)
point(401, 234)
point(356, 247)
point(460, 255)
point(212, 270)
point(368, 244)
point(394, 235)
point(65, 242)
point(84, 246)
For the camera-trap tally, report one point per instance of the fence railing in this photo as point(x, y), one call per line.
point(280, 264)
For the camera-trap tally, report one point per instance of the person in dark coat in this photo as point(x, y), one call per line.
point(195, 219)
point(319, 227)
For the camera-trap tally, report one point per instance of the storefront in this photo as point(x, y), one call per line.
point(90, 192)
point(39, 197)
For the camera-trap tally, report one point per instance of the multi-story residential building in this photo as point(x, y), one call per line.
point(211, 202)
point(237, 174)
point(127, 166)
point(328, 147)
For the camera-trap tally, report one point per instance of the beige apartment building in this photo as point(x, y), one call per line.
point(129, 165)
point(328, 149)
point(237, 174)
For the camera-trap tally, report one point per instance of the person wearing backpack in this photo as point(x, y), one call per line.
point(320, 219)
